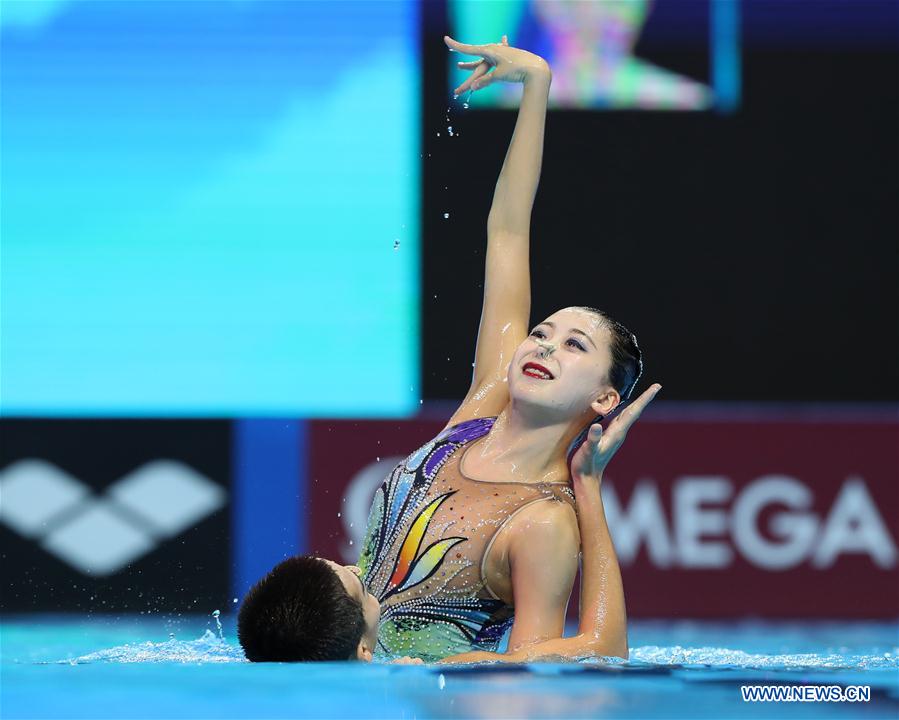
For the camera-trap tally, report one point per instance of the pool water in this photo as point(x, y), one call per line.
point(164, 667)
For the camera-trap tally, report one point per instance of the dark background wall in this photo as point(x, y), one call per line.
point(753, 254)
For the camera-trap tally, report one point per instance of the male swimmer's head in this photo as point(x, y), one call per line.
point(309, 609)
point(575, 365)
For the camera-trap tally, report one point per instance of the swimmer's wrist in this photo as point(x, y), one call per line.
point(538, 74)
point(586, 480)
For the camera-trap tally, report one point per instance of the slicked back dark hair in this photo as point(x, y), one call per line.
point(627, 367)
point(627, 359)
point(300, 612)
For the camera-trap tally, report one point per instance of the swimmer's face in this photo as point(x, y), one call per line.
point(573, 346)
point(350, 576)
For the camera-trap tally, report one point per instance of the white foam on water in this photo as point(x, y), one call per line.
point(211, 649)
point(724, 657)
point(206, 649)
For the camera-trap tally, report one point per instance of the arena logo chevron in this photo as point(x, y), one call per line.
point(100, 534)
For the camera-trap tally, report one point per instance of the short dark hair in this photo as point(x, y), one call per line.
point(300, 612)
point(627, 359)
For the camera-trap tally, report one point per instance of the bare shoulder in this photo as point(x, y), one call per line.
point(544, 528)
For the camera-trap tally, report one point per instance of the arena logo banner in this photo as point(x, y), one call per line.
point(711, 518)
point(123, 515)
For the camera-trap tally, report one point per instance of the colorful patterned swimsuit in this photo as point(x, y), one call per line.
point(429, 532)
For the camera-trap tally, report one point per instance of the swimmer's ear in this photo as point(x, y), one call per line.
point(606, 402)
point(363, 652)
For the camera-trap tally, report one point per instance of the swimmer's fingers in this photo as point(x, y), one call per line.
point(407, 661)
point(482, 50)
point(480, 69)
point(618, 428)
point(635, 409)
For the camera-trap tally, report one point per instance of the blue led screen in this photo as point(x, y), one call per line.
point(210, 208)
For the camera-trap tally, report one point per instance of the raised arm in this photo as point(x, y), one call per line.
point(507, 283)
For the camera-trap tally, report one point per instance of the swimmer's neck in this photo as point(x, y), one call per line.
point(524, 446)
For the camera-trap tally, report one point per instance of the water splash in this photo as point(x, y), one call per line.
point(211, 649)
point(726, 658)
point(205, 649)
point(218, 623)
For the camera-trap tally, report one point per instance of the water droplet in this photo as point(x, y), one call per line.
point(450, 129)
point(378, 459)
point(465, 106)
point(396, 244)
point(351, 542)
point(234, 601)
point(438, 134)
point(421, 402)
point(338, 514)
point(446, 216)
point(216, 613)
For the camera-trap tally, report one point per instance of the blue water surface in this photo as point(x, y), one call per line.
point(182, 667)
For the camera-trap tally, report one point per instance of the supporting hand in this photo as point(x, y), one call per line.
point(597, 450)
point(406, 660)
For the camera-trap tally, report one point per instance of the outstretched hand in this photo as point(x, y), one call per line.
point(597, 450)
point(508, 64)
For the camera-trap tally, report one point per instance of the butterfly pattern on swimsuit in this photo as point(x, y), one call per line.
point(421, 556)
